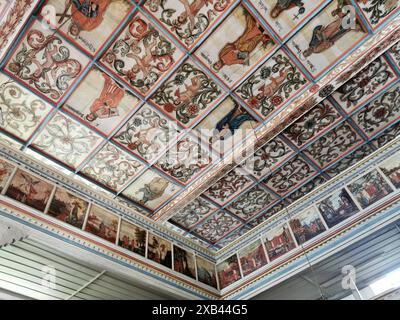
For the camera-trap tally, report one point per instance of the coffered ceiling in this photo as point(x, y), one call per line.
point(145, 100)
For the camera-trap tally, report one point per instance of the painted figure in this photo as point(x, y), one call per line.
point(153, 190)
point(283, 5)
point(186, 96)
point(238, 52)
point(106, 105)
point(325, 37)
point(231, 122)
point(269, 90)
point(191, 10)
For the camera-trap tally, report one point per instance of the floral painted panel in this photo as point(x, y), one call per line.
point(232, 236)
point(307, 128)
point(102, 223)
point(333, 145)
point(387, 136)
point(46, 63)
point(147, 133)
point(30, 190)
point(284, 16)
point(150, 190)
point(6, 169)
point(394, 53)
point(250, 203)
point(217, 226)
point(290, 176)
point(272, 85)
point(226, 126)
point(391, 169)
point(365, 85)
point(141, 55)
point(359, 154)
point(231, 53)
point(66, 140)
point(185, 160)
point(88, 24)
point(234, 182)
point(112, 167)
point(307, 225)
point(370, 188)
point(378, 11)
point(101, 102)
point(268, 157)
point(193, 213)
point(305, 189)
point(187, 20)
point(187, 94)
point(21, 112)
point(267, 214)
point(380, 113)
point(68, 208)
point(324, 40)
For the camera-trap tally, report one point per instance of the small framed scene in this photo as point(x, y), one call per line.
point(206, 272)
point(278, 242)
point(391, 169)
point(228, 272)
point(29, 190)
point(68, 208)
point(370, 188)
point(6, 169)
point(252, 257)
point(159, 250)
point(307, 225)
point(132, 238)
point(337, 207)
point(102, 223)
point(184, 262)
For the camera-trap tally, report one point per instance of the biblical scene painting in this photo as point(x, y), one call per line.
point(337, 207)
point(284, 16)
point(87, 23)
point(370, 188)
point(378, 11)
point(141, 55)
point(226, 126)
point(391, 169)
point(187, 94)
point(147, 133)
point(206, 272)
point(21, 112)
point(272, 85)
point(365, 85)
point(68, 208)
point(101, 102)
point(252, 257)
point(102, 223)
point(278, 242)
point(228, 272)
point(6, 169)
point(150, 190)
point(231, 53)
point(159, 250)
point(184, 262)
point(113, 167)
point(307, 225)
point(327, 38)
point(66, 140)
point(132, 238)
point(46, 63)
point(29, 190)
point(187, 20)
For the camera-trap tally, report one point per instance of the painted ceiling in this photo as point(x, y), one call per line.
point(142, 100)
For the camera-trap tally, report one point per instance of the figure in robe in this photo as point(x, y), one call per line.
point(106, 105)
point(283, 5)
point(231, 122)
point(238, 52)
point(324, 37)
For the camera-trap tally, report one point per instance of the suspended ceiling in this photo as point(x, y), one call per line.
point(138, 101)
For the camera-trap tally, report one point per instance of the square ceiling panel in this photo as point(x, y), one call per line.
point(142, 55)
point(45, 62)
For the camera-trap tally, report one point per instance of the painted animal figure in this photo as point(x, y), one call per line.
point(269, 90)
point(153, 190)
point(186, 96)
point(191, 10)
